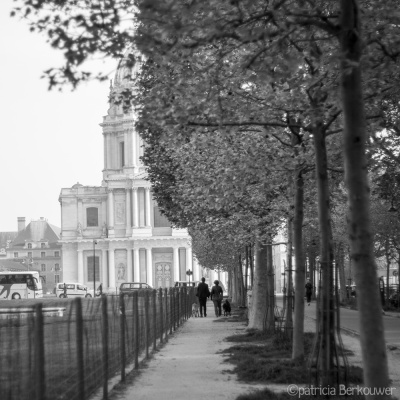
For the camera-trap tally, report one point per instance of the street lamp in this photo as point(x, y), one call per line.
point(188, 273)
point(94, 268)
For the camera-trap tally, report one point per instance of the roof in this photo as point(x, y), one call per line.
point(6, 265)
point(6, 236)
point(37, 231)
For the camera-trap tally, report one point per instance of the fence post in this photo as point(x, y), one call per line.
point(104, 312)
point(40, 386)
point(154, 328)
point(161, 315)
point(166, 314)
point(79, 347)
point(147, 321)
point(122, 334)
point(170, 311)
point(136, 327)
point(178, 300)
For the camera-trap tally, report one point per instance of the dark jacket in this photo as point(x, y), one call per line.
point(203, 291)
point(308, 287)
point(215, 291)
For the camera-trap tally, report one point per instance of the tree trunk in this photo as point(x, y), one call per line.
point(289, 281)
point(326, 324)
point(361, 240)
point(387, 256)
point(257, 317)
point(234, 286)
point(342, 277)
point(298, 329)
point(240, 283)
point(251, 259)
point(271, 288)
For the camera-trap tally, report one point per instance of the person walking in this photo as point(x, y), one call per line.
point(217, 295)
point(202, 293)
point(308, 291)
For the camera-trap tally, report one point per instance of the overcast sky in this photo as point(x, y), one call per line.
point(49, 140)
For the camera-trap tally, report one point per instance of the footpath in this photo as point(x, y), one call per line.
point(190, 365)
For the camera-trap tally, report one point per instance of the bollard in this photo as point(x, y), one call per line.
point(105, 345)
point(40, 392)
point(122, 335)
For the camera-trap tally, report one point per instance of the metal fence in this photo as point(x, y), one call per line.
point(47, 356)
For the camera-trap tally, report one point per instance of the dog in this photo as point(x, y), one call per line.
point(227, 308)
point(195, 310)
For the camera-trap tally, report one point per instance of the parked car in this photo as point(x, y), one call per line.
point(129, 287)
point(72, 289)
point(186, 283)
point(394, 299)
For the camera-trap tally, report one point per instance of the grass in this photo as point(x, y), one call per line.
point(265, 357)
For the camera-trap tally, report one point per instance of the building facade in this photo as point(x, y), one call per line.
point(36, 247)
point(115, 233)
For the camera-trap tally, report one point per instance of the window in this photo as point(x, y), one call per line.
point(43, 267)
point(90, 268)
point(56, 254)
point(160, 221)
point(92, 216)
point(56, 279)
point(42, 245)
point(15, 255)
point(43, 254)
point(122, 153)
point(29, 254)
point(29, 245)
point(57, 267)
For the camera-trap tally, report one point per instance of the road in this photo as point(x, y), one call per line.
point(350, 319)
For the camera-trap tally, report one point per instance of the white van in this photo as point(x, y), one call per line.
point(72, 289)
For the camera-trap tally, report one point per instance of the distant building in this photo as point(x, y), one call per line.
point(115, 233)
point(5, 240)
point(36, 247)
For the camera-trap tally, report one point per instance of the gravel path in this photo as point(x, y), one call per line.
point(190, 365)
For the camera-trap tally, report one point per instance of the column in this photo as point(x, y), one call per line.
point(176, 264)
point(80, 213)
point(189, 260)
point(149, 262)
point(134, 149)
point(148, 205)
point(110, 209)
point(135, 209)
point(128, 211)
point(196, 272)
point(126, 148)
point(129, 264)
point(80, 267)
point(111, 271)
point(104, 271)
point(105, 151)
point(108, 151)
point(136, 266)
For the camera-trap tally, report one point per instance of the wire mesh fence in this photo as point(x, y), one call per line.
point(70, 348)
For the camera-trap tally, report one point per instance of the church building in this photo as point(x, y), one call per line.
point(115, 233)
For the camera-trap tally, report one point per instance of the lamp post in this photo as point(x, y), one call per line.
point(94, 268)
point(188, 273)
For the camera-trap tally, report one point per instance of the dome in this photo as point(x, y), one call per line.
point(77, 185)
point(127, 69)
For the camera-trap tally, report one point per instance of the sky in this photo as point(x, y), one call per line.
point(48, 140)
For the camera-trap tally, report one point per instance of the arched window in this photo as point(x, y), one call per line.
point(29, 245)
point(92, 216)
